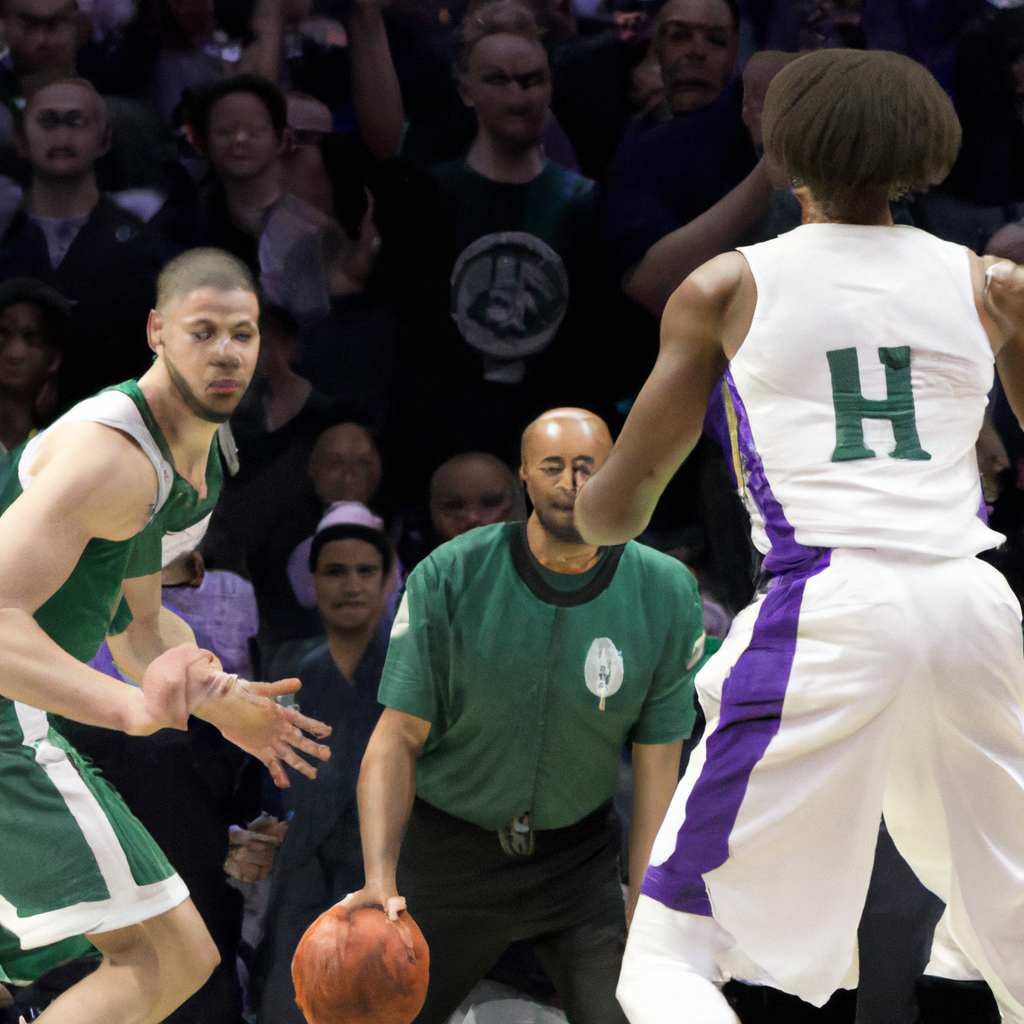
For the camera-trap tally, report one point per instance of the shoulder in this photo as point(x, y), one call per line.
point(661, 568)
point(711, 287)
point(91, 471)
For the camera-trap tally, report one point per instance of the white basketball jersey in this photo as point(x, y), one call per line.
point(857, 396)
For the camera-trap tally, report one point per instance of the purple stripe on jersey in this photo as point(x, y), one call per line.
point(716, 426)
point(786, 553)
point(752, 698)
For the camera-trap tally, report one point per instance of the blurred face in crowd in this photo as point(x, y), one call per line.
point(508, 84)
point(345, 464)
point(66, 131)
point(28, 354)
point(696, 43)
point(349, 584)
point(561, 451)
point(43, 35)
point(208, 342)
point(466, 493)
point(240, 139)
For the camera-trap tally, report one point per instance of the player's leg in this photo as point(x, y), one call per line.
point(148, 970)
point(956, 797)
point(671, 961)
point(777, 833)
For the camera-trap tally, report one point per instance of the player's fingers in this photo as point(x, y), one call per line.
point(291, 758)
point(277, 773)
point(278, 689)
point(394, 906)
point(308, 746)
point(310, 725)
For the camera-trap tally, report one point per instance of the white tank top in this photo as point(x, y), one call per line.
point(857, 396)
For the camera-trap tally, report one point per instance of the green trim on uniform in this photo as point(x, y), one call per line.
point(21, 966)
point(510, 675)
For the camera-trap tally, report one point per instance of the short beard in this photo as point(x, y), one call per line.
point(191, 399)
point(567, 534)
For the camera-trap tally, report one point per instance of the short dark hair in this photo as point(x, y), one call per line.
point(203, 102)
point(55, 308)
point(352, 531)
point(858, 127)
point(201, 268)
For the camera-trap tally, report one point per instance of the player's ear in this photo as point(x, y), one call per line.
point(154, 330)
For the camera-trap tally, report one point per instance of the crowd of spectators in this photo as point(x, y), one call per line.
point(460, 214)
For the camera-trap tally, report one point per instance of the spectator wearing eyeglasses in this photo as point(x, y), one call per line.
point(70, 235)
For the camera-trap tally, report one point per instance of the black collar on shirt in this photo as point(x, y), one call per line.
point(523, 561)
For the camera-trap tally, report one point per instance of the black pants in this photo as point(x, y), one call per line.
point(471, 900)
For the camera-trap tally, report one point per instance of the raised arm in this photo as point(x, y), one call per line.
point(673, 258)
point(704, 323)
point(387, 787)
point(376, 95)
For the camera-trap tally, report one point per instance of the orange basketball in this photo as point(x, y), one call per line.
point(356, 968)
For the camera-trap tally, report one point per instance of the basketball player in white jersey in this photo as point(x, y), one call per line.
point(882, 668)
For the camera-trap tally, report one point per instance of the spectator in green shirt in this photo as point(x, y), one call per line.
point(521, 660)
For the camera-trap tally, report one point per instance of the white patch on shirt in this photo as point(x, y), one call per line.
point(604, 668)
point(401, 624)
point(698, 652)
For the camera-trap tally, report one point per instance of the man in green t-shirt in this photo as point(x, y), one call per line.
point(521, 660)
point(86, 505)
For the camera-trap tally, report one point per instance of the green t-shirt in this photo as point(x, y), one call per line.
point(89, 604)
point(531, 689)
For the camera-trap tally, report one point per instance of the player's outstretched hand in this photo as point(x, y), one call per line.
point(247, 714)
point(188, 680)
point(167, 683)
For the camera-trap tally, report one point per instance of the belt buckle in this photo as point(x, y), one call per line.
point(517, 837)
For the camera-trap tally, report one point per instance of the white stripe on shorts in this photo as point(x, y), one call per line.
point(129, 903)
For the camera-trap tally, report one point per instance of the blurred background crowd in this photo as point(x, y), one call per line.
point(460, 215)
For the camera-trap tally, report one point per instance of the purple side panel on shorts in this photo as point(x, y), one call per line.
point(786, 553)
point(752, 698)
point(716, 426)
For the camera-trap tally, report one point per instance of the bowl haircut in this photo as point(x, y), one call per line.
point(857, 128)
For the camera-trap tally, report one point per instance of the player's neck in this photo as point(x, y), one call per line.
point(62, 198)
point(567, 557)
point(871, 215)
point(513, 165)
point(187, 435)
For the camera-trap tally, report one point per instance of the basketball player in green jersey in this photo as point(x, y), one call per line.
point(86, 506)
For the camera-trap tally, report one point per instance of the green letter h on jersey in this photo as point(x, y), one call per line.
point(852, 407)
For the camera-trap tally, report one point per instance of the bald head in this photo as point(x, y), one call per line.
point(558, 427)
point(561, 451)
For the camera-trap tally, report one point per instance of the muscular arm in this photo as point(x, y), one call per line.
point(706, 319)
point(655, 774)
point(387, 786)
point(90, 481)
point(671, 259)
